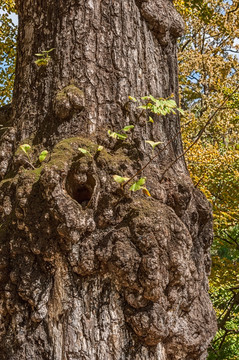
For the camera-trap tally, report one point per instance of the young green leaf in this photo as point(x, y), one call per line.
point(171, 103)
point(47, 51)
point(43, 155)
point(100, 148)
point(152, 98)
point(115, 135)
point(128, 127)
point(134, 187)
point(180, 111)
point(121, 136)
point(132, 99)
point(42, 62)
point(84, 151)
point(25, 148)
point(137, 185)
point(141, 181)
point(151, 120)
point(112, 134)
point(152, 143)
point(120, 179)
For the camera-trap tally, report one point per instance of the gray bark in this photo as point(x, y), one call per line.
point(89, 271)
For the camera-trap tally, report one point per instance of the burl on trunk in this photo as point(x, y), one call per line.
point(89, 271)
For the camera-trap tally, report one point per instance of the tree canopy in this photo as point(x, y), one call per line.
point(209, 64)
point(8, 34)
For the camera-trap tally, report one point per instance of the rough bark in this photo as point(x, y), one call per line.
point(89, 271)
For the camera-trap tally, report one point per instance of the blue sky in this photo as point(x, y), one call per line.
point(14, 17)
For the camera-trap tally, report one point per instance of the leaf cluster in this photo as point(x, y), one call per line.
point(26, 149)
point(44, 57)
point(158, 106)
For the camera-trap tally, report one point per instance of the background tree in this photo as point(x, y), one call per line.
point(88, 270)
point(8, 32)
point(208, 61)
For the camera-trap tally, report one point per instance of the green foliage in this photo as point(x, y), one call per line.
point(43, 155)
point(153, 144)
point(138, 185)
point(120, 136)
point(100, 148)
point(131, 98)
point(120, 179)
point(26, 149)
point(84, 151)
point(158, 106)
point(208, 74)
point(8, 35)
point(128, 127)
point(44, 58)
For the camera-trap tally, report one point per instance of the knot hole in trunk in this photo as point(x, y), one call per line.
point(80, 187)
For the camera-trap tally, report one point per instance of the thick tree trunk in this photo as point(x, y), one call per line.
point(89, 271)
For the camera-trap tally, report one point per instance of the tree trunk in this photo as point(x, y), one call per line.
point(89, 270)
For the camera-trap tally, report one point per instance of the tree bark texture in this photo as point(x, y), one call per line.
point(89, 271)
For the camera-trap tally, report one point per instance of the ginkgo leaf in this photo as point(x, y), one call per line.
point(120, 179)
point(42, 62)
point(128, 127)
point(25, 148)
point(100, 148)
point(137, 185)
point(141, 181)
point(84, 151)
point(132, 99)
point(153, 144)
point(47, 51)
point(117, 135)
point(43, 155)
point(121, 136)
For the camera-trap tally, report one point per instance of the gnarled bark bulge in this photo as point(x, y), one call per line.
point(89, 271)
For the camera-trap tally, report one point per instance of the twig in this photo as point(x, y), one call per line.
point(198, 182)
point(29, 163)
